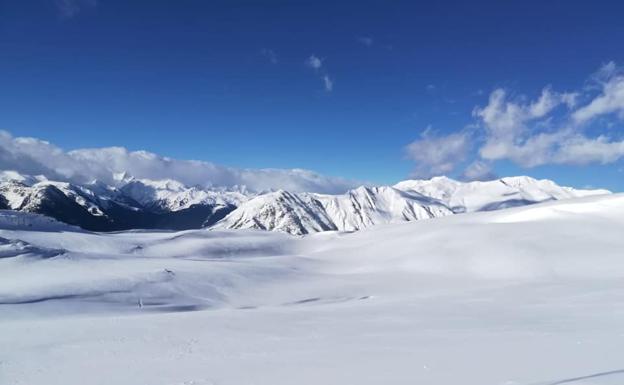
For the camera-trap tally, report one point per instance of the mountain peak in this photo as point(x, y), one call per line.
point(140, 202)
point(14, 176)
point(302, 213)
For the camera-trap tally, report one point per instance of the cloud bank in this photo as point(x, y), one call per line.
point(37, 157)
point(564, 128)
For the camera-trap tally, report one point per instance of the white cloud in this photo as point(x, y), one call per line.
point(33, 156)
point(328, 83)
point(437, 155)
point(314, 62)
point(533, 133)
point(553, 128)
point(581, 150)
point(511, 127)
point(611, 99)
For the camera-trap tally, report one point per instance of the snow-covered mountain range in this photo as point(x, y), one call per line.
point(133, 204)
point(168, 204)
point(409, 200)
point(305, 213)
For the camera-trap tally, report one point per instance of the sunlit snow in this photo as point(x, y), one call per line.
point(522, 296)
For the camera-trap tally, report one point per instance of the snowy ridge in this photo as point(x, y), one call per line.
point(282, 211)
point(97, 206)
point(171, 195)
point(168, 204)
point(305, 213)
point(20, 196)
point(492, 195)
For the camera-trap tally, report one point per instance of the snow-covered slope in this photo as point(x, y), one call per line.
point(305, 213)
point(492, 195)
point(524, 296)
point(406, 201)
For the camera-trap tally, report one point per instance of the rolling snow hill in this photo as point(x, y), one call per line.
point(524, 296)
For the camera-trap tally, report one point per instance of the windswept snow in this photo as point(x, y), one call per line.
point(523, 296)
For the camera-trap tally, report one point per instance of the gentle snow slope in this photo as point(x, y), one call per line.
point(523, 296)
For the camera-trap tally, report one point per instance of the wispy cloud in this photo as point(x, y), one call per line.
point(329, 84)
point(317, 65)
point(610, 100)
point(70, 8)
point(365, 40)
point(479, 170)
point(437, 154)
point(270, 55)
point(314, 62)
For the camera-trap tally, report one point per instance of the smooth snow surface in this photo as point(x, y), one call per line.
point(524, 296)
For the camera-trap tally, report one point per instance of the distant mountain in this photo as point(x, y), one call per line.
point(99, 207)
point(409, 200)
point(492, 195)
point(169, 204)
point(171, 195)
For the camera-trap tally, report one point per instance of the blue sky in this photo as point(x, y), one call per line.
point(369, 90)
